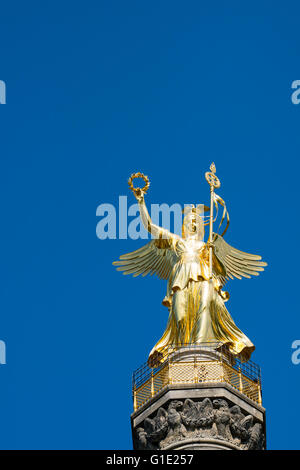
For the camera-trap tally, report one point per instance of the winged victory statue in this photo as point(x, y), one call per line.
point(196, 272)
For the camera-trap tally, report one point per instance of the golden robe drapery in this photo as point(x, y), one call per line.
point(197, 313)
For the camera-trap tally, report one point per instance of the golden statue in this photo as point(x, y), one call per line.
point(196, 272)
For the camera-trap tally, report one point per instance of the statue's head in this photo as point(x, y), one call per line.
point(235, 410)
point(220, 404)
point(193, 225)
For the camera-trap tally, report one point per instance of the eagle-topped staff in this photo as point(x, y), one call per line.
point(213, 182)
point(196, 272)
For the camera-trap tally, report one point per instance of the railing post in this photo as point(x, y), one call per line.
point(222, 377)
point(170, 372)
point(240, 380)
point(152, 384)
point(195, 370)
point(134, 398)
point(222, 366)
point(259, 400)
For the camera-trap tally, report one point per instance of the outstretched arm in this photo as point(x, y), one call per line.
point(155, 230)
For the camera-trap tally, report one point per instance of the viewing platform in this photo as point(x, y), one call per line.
point(207, 363)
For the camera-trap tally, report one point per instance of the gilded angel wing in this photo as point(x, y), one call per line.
point(158, 257)
point(236, 263)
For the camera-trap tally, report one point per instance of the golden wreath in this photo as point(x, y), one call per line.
point(139, 175)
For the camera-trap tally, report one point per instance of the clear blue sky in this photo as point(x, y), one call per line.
point(95, 91)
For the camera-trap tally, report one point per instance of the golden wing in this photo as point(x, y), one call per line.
point(237, 264)
point(158, 257)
